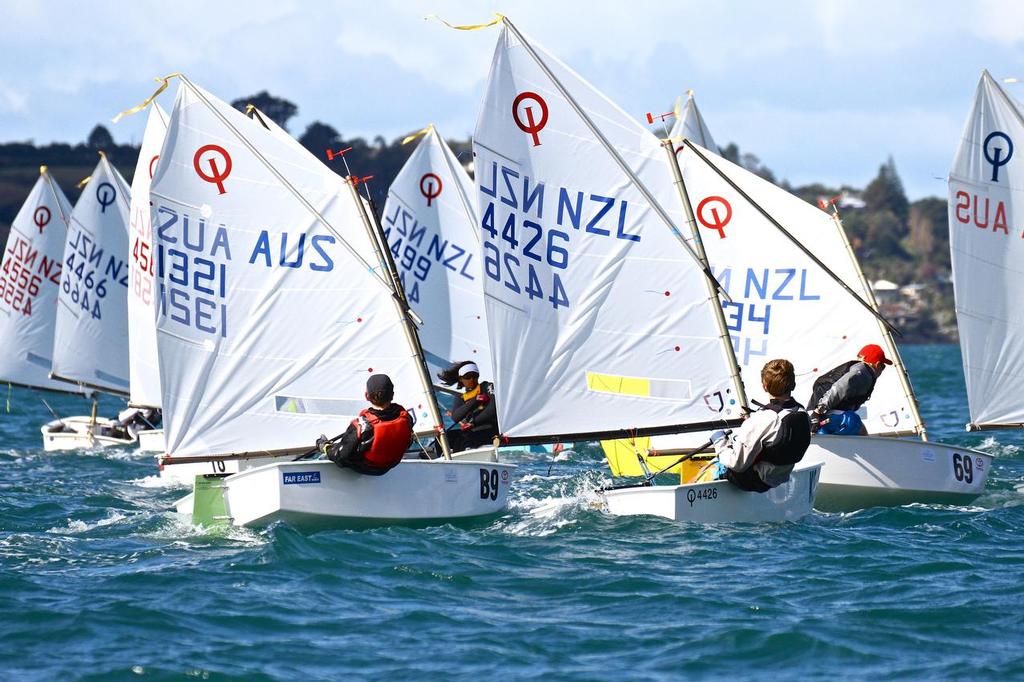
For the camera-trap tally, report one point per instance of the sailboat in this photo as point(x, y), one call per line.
point(796, 290)
point(430, 228)
point(602, 321)
point(30, 276)
point(144, 374)
point(985, 230)
point(90, 347)
point(270, 320)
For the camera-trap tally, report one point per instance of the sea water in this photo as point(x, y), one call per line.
point(99, 580)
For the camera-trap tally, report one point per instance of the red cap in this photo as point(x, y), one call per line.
point(873, 353)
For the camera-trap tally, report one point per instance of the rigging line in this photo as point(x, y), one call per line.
point(648, 197)
point(458, 185)
point(291, 188)
point(718, 171)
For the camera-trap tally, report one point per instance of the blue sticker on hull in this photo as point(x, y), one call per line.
point(301, 477)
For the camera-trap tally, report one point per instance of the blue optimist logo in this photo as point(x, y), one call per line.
point(301, 477)
point(994, 153)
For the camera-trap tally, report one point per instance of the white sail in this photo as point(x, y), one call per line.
point(598, 317)
point(91, 337)
point(143, 368)
point(268, 326)
point(690, 124)
point(29, 281)
point(430, 225)
point(986, 239)
point(784, 304)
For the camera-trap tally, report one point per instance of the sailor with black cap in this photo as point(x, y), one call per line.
point(475, 416)
point(375, 440)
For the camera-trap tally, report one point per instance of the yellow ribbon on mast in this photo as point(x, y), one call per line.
point(410, 138)
point(164, 83)
point(498, 18)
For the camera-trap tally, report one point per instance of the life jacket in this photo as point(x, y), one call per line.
point(469, 395)
point(387, 441)
point(823, 383)
point(794, 434)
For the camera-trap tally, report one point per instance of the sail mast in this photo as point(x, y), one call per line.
point(376, 235)
point(698, 242)
point(890, 343)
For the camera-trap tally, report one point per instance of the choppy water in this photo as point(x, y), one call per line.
point(99, 581)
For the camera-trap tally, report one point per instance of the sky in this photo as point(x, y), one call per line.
point(820, 91)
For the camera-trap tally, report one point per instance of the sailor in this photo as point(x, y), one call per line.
point(375, 441)
point(760, 455)
point(475, 415)
point(132, 420)
point(839, 393)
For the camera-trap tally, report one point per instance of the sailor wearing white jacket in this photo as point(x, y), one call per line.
point(761, 453)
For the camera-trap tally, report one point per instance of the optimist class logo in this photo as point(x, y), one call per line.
point(531, 125)
point(994, 154)
point(714, 221)
point(430, 187)
point(41, 217)
point(218, 172)
point(105, 194)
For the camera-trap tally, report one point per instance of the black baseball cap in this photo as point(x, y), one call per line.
point(379, 383)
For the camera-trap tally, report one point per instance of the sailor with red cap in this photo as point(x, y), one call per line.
point(839, 393)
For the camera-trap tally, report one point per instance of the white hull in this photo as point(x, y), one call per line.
point(719, 501)
point(867, 471)
point(319, 493)
point(80, 433)
point(152, 440)
point(185, 474)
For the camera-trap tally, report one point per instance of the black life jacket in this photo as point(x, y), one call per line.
point(794, 435)
point(826, 380)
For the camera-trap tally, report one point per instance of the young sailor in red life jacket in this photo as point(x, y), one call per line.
point(761, 453)
point(375, 441)
point(839, 392)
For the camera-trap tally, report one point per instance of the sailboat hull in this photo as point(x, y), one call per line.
point(152, 440)
point(318, 493)
point(719, 501)
point(79, 433)
point(868, 471)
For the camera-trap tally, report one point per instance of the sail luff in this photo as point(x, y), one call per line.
point(698, 241)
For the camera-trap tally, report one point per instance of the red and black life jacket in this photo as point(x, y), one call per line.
point(382, 443)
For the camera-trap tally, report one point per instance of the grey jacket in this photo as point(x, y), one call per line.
point(853, 387)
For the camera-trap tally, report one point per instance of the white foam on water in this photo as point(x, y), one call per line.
point(993, 447)
point(78, 526)
point(156, 481)
point(572, 496)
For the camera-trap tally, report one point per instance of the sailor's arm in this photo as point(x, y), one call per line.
point(850, 384)
point(739, 451)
